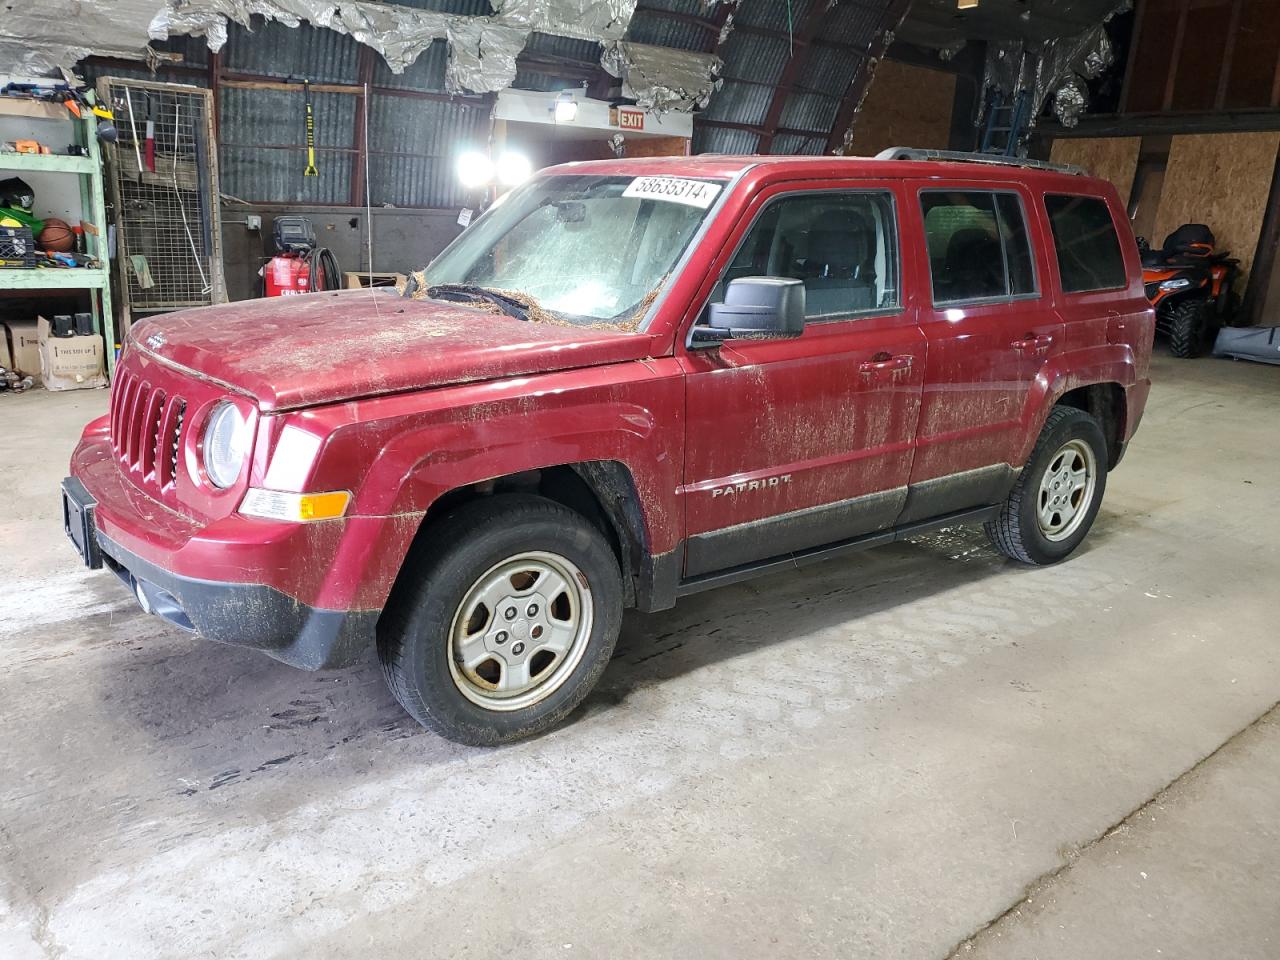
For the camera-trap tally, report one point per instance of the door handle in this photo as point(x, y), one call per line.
point(1034, 344)
point(883, 363)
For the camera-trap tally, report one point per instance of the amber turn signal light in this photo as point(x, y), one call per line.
point(294, 507)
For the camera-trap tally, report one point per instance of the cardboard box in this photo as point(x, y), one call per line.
point(70, 363)
point(24, 346)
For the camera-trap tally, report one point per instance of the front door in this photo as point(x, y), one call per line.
point(797, 443)
point(990, 326)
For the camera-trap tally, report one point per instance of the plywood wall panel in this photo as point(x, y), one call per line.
point(907, 106)
point(1222, 179)
point(1111, 158)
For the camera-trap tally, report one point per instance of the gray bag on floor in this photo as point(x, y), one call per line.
point(1249, 343)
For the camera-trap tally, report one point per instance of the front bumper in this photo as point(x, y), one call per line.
point(217, 579)
point(245, 614)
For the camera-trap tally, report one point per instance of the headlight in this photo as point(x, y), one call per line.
point(295, 507)
point(1170, 285)
point(226, 444)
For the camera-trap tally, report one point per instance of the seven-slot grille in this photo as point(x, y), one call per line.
point(146, 430)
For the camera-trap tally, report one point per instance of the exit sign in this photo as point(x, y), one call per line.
point(630, 119)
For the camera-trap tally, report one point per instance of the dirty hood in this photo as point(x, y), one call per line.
point(291, 352)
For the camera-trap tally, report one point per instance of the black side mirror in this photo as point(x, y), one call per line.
point(755, 308)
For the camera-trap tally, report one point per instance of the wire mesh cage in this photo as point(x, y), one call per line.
point(164, 188)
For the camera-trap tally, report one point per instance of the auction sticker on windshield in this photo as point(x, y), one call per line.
point(694, 193)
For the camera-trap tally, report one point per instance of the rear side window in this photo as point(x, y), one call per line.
point(978, 245)
point(844, 246)
point(1089, 256)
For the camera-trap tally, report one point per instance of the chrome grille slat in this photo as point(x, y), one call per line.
point(138, 423)
point(146, 431)
point(152, 419)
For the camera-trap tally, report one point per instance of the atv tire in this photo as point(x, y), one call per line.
point(1189, 329)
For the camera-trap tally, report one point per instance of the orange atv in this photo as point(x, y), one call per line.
point(1190, 285)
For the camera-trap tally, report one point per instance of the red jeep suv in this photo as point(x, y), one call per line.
point(628, 381)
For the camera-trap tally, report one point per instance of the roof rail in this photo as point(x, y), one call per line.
point(915, 153)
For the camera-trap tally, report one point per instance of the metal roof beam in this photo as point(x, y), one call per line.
point(813, 22)
point(890, 20)
point(760, 131)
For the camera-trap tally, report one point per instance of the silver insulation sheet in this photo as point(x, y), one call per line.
point(663, 78)
point(482, 50)
point(1055, 68)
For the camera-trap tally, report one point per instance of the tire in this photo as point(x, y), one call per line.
point(458, 595)
point(1230, 309)
point(1189, 326)
point(1070, 437)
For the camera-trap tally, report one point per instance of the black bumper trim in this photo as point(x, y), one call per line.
point(247, 614)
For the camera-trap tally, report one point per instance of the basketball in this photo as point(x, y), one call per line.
point(57, 236)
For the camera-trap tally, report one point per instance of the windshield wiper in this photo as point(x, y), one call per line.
point(459, 292)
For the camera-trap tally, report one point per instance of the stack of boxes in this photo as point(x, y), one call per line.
point(65, 354)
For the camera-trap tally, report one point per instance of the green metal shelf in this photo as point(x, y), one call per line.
point(92, 209)
point(47, 163)
point(66, 278)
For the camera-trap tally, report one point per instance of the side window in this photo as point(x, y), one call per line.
point(844, 246)
point(1089, 256)
point(978, 245)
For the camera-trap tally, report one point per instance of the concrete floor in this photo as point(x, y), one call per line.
point(922, 751)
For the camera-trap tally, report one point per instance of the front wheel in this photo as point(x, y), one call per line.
point(1052, 506)
point(1190, 329)
point(507, 617)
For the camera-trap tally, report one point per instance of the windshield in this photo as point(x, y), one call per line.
point(586, 249)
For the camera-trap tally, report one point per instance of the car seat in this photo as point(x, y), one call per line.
point(837, 275)
point(974, 267)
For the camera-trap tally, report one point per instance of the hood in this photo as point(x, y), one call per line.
point(289, 352)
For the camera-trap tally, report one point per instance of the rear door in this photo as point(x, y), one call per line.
point(1101, 297)
point(990, 325)
point(796, 443)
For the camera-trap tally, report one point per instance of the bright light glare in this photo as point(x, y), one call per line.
point(514, 169)
point(566, 108)
point(475, 169)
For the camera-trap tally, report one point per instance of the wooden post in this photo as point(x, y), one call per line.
point(1179, 37)
point(364, 70)
point(1255, 297)
point(1139, 12)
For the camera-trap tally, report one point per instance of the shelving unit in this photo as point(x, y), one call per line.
point(92, 206)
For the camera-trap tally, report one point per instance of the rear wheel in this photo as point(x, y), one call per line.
point(1190, 328)
point(1052, 506)
point(510, 616)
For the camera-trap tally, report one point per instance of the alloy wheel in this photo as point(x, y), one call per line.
point(520, 631)
point(1066, 490)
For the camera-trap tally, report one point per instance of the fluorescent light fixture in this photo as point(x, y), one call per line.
point(514, 169)
point(475, 169)
point(566, 108)
point(966, 4)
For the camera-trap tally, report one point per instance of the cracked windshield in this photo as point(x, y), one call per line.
point(587, 249)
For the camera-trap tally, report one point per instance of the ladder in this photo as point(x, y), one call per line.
point(1006, 122)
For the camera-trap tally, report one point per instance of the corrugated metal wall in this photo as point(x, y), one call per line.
point(765, 37)
point(414, 142)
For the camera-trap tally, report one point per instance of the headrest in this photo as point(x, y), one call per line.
point(839, 242)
